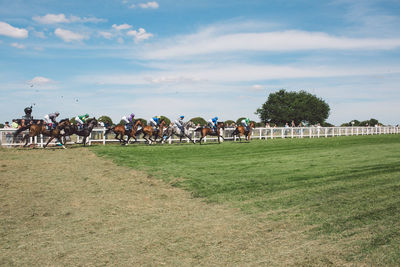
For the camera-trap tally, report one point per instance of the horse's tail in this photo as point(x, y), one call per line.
point(139, 131)
point(23, 128)
point(109, 130)
point(198, 129)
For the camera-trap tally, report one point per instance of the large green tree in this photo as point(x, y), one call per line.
point(199, 120)
point(106, 120)
point(283, 106)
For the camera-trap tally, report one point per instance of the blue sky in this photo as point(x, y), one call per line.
point(198, 58)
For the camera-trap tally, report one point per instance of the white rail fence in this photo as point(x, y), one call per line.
point(97, 137)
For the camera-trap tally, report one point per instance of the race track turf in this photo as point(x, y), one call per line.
point(343, 190)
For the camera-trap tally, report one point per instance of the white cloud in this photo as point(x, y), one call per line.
point(51, 19)
point(17, 45)
point(10, 31)
point(257, 87)
point(39, 34)
point(214, 74)
point(121, 27)
point(149, 5)
point(139, 35)
point(107, 35)
point(69, 36)
point(40, 80)
point(61, 18)
point(85, 19)
point(208, 42)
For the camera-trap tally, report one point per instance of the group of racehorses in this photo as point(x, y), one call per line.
point(163, 132)
point(63, 129)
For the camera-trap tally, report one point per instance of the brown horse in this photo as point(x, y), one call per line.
point(37, 129)
point(241, 130)
point(120, 132)
point(204, 131)
point(150, 132)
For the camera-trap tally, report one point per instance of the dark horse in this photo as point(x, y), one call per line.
point(241, 130)
point(148, 131)
point(37, 129)
point(204, 131)
point(85, 132)
point(120, 132)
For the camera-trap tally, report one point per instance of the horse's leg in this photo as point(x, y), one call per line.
point(201, 138)
point(27, 139)
point(127, 140)
point(144, 137)
point(84, 140)
point(190, 139)
point(59, 140)
point(51, 138)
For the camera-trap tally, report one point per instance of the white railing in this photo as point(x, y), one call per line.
point(97, 135)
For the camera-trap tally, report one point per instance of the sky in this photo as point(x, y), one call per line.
point(198, 58)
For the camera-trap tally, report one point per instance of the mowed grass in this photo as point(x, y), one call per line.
point(343, 189)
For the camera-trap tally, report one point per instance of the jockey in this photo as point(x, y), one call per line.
point(28, 114)
point(50, 119)
point(213, 123)
point(245, 123)
point(129, 121)
point(179, 123)
point(155, 121)
point(81, 120)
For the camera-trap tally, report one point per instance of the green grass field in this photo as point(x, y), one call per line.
point(343, 189)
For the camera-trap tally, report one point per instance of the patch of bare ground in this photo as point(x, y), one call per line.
point(69, 207)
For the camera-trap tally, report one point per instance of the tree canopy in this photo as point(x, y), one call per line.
point(229, 122)
point(238, 121)
point(199, 120)
point(144, 122)
point(167, 121)
point(370, 122)
point(283, 106)
point(106, 120)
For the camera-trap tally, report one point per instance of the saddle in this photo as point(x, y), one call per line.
point(51, 126)
point(81, 126)
point(128, 127)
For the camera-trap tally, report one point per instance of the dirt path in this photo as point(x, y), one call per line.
point(69, 207)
